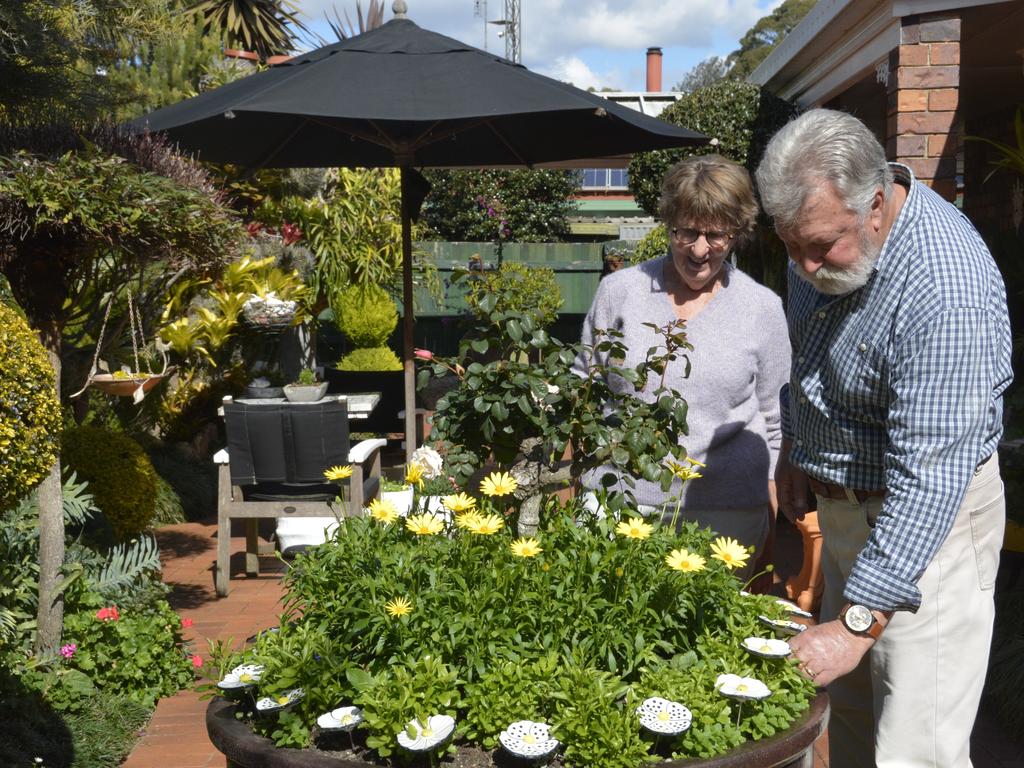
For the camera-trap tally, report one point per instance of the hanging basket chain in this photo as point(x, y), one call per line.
point(99, 346)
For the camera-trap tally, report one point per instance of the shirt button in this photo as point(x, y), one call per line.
point(803, 399)
point(799, 442)
point(821, 315)
point(801, 359)
point(862, 347)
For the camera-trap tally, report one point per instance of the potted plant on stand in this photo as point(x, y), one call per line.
point(306, 389)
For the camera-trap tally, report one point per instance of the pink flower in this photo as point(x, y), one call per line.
point(67, 651)
point(290, 233)
point(108, 614)
point(197, 661)
point(423, 354)
point(186, 623)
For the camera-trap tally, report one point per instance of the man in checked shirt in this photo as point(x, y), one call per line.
point(901, 354)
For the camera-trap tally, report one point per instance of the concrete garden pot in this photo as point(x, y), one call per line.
point(305, 393)
point(793, 748)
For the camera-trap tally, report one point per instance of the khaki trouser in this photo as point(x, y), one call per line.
point(913, 699)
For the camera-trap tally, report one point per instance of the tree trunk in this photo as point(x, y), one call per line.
point(50, 613)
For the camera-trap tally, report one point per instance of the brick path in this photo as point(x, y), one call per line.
point(176, 735)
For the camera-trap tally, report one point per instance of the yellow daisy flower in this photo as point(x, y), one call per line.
point(525, 547)
point(498, 484)
point(684, 471)
point(414, 474)
point(685, 561)
point(485, 525)
point(468, 519)
point(338, 472)
point(730, 552)
point(634, 528)
point(425, 524)
point(459, 502)
point(398, 607)
point(383, 511)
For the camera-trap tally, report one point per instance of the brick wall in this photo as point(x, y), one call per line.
point(923, 126)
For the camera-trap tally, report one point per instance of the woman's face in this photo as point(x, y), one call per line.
point(698, 251)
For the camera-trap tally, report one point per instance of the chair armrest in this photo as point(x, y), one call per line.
point(221, 457)
point(417, 412)
point(362, 451)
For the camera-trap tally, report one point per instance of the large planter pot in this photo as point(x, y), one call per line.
point(793, 748)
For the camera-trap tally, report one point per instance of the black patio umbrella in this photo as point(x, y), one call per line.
point(402, 96)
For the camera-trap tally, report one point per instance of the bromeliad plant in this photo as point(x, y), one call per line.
point(571, 628)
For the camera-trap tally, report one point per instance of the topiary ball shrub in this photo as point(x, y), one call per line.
point(120, 475)
point(653, 245)
point(370, 359)
point(368, 315)
point(739, 117)
point(30, 418)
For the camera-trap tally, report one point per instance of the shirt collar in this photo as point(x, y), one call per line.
point(893, 245)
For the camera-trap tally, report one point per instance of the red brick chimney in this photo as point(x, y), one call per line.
point(654, 70)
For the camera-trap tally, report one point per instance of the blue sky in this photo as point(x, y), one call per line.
point(599, 43)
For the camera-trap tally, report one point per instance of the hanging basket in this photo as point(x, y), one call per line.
point(121, 386)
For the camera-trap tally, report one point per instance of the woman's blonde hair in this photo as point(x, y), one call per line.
point(710, 190)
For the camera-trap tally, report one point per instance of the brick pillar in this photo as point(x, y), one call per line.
point(924, 128)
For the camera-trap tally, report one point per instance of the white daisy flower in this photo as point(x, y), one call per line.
point(743, 688)
point(419, 738)
point(525, 738)
point(242, 676)
point(340, 719)
point(664, 717)
point(768, 647)
point(794, 609)
point(783, 625)
point(281, 702)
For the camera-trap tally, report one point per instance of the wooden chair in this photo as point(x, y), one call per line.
point(273, 468)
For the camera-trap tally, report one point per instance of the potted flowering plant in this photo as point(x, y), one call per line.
point(604, 641)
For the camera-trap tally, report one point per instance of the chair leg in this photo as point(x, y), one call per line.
point(252, 547)
point(222, 572)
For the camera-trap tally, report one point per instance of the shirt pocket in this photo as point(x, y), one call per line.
point(859, 382)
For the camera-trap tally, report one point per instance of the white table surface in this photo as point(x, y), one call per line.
point(360, 404)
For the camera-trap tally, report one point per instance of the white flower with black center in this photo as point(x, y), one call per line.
point(525, 738)
point(664, 717)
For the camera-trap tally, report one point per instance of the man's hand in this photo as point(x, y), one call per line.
point(791, 486)
point(828, 651)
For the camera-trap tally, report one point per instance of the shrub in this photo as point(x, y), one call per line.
point(741, 117)
point(368, 315)
point(653, 245)
point(193, 480)
point(167, 504)
point(370, 359)
point(30, 419)
point(120, 475)
point(517, 288)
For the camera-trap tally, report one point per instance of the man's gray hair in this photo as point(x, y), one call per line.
point(819, 146)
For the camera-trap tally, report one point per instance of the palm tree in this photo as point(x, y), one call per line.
point(266, 27)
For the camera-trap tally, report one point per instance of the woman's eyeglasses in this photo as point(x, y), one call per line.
point(687, 236)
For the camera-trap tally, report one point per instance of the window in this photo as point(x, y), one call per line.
point(605, 178)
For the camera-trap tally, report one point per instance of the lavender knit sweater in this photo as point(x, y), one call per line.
point(740, 360)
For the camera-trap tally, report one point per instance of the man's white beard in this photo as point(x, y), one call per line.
point(835, 281)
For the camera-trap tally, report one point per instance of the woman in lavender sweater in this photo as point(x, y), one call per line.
point(741, 351)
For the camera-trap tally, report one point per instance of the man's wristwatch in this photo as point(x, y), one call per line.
point(859, 620)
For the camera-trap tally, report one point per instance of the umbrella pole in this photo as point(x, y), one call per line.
point(407, 320)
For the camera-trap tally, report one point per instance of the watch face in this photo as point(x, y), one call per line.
point(858, 618)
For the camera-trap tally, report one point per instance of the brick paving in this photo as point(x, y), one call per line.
point(176, 734)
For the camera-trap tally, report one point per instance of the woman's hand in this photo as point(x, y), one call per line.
point(790, 486)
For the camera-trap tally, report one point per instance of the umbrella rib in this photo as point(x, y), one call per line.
point(281, 145)
point(507, 143)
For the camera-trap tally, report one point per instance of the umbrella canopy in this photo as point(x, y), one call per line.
point(402, 96)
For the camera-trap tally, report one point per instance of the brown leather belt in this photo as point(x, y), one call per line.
point(838, 492)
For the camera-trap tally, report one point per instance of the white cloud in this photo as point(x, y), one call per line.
point(565, 38)
point(572, 69)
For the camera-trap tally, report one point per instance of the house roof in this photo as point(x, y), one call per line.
point(836, 42)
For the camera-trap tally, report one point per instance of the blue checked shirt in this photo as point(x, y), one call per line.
point(898, 385)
